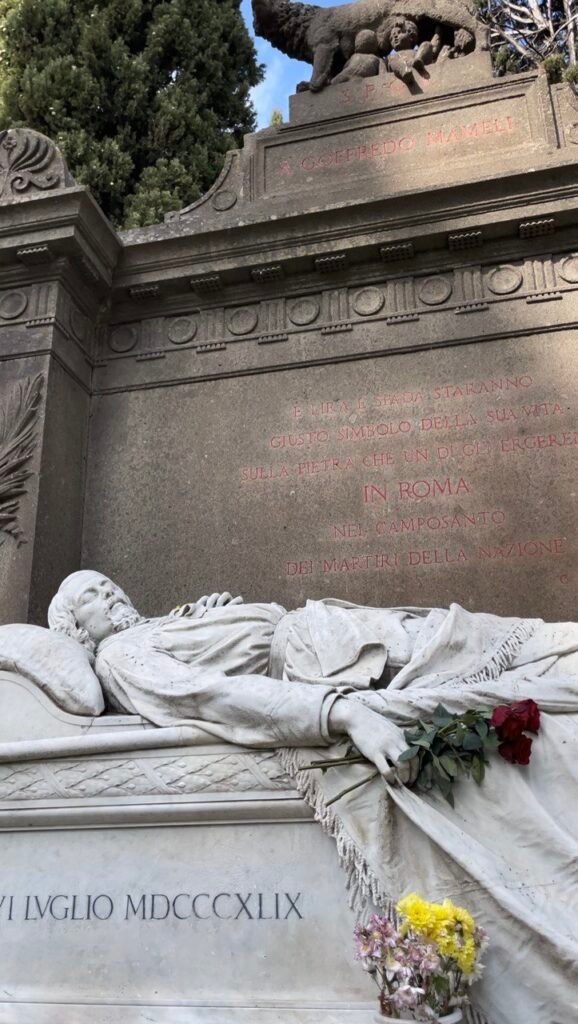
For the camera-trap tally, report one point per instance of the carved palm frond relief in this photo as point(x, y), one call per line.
point(18, 420)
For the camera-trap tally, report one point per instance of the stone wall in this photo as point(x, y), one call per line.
point(345, 371)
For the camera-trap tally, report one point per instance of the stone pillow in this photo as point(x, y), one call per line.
point(56, 663)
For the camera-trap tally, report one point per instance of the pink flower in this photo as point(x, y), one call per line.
point(407, 997)
point(430, 962)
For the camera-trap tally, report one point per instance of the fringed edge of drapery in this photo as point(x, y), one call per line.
point(502, 658)
point(361, 883)
point(472, 1016)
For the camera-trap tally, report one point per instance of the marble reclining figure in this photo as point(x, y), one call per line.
point(259, 676)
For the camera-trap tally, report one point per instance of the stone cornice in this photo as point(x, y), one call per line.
point(496, 206)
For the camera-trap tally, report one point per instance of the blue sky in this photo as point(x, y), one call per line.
point(281, 76)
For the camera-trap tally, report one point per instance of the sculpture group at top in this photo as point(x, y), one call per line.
point(369, 37)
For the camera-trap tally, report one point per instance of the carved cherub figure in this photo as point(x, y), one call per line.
point(402, 36)
point(365, 61)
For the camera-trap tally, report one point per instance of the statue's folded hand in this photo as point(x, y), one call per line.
point(219, 600)
point(196, 609)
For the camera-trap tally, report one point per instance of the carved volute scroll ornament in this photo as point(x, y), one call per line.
point(29, 163)
point(369, 37)
point(18, 420)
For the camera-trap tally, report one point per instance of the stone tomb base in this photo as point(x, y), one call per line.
point(179, 885)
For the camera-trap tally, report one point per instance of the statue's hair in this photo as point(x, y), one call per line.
point(61, 617)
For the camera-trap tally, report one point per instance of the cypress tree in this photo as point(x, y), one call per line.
point(144, 97)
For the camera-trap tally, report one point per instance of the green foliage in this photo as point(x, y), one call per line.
point(144, 97)
point(554, 67)
point(276, 118)
point(507, 61)
point(448, 747)
point(528, 34)
point(570, 74)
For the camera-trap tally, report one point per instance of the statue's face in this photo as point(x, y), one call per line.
point(403, 35)
point(100, 606)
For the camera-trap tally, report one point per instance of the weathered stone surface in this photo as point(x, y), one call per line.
point(386, 90)
point(179, 773)
point(410, 479)
point(18, 498)
point(18, 437)
point(344, 371)
point(56, 255)
point(30, 163)
point(204, 921)
point(335, 271)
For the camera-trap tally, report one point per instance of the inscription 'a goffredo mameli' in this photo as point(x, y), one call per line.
point(393, 146)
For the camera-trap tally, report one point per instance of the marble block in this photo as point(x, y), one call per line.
point(194, 922)
point(165, 885)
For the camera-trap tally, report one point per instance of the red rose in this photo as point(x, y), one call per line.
point(532, 713)
point(516, 751)
point(510, 720)
point(499, 716)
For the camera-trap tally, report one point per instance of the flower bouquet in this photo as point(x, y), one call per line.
point(452, 746)
point(424, 966)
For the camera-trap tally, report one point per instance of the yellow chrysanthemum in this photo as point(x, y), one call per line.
point(451, 928)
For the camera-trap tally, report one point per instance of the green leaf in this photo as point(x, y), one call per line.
point(439, 769)
point(449, 765)
point(482, 728)
point(441, 984)
point(472, 741)
point(422, 741)
point(441, 716)
point(458, 735)
point(478, 770)
point(411, 735)
point(445, 788)
point(491, 743)
point(409, 754)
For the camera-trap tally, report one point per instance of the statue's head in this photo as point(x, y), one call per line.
point(89, 607)
point(366, 42)
point(403, 34)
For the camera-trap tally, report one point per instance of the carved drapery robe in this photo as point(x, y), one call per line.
point(218, 668)
point(174, 670)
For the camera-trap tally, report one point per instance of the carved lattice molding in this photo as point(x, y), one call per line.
point(170, 774)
